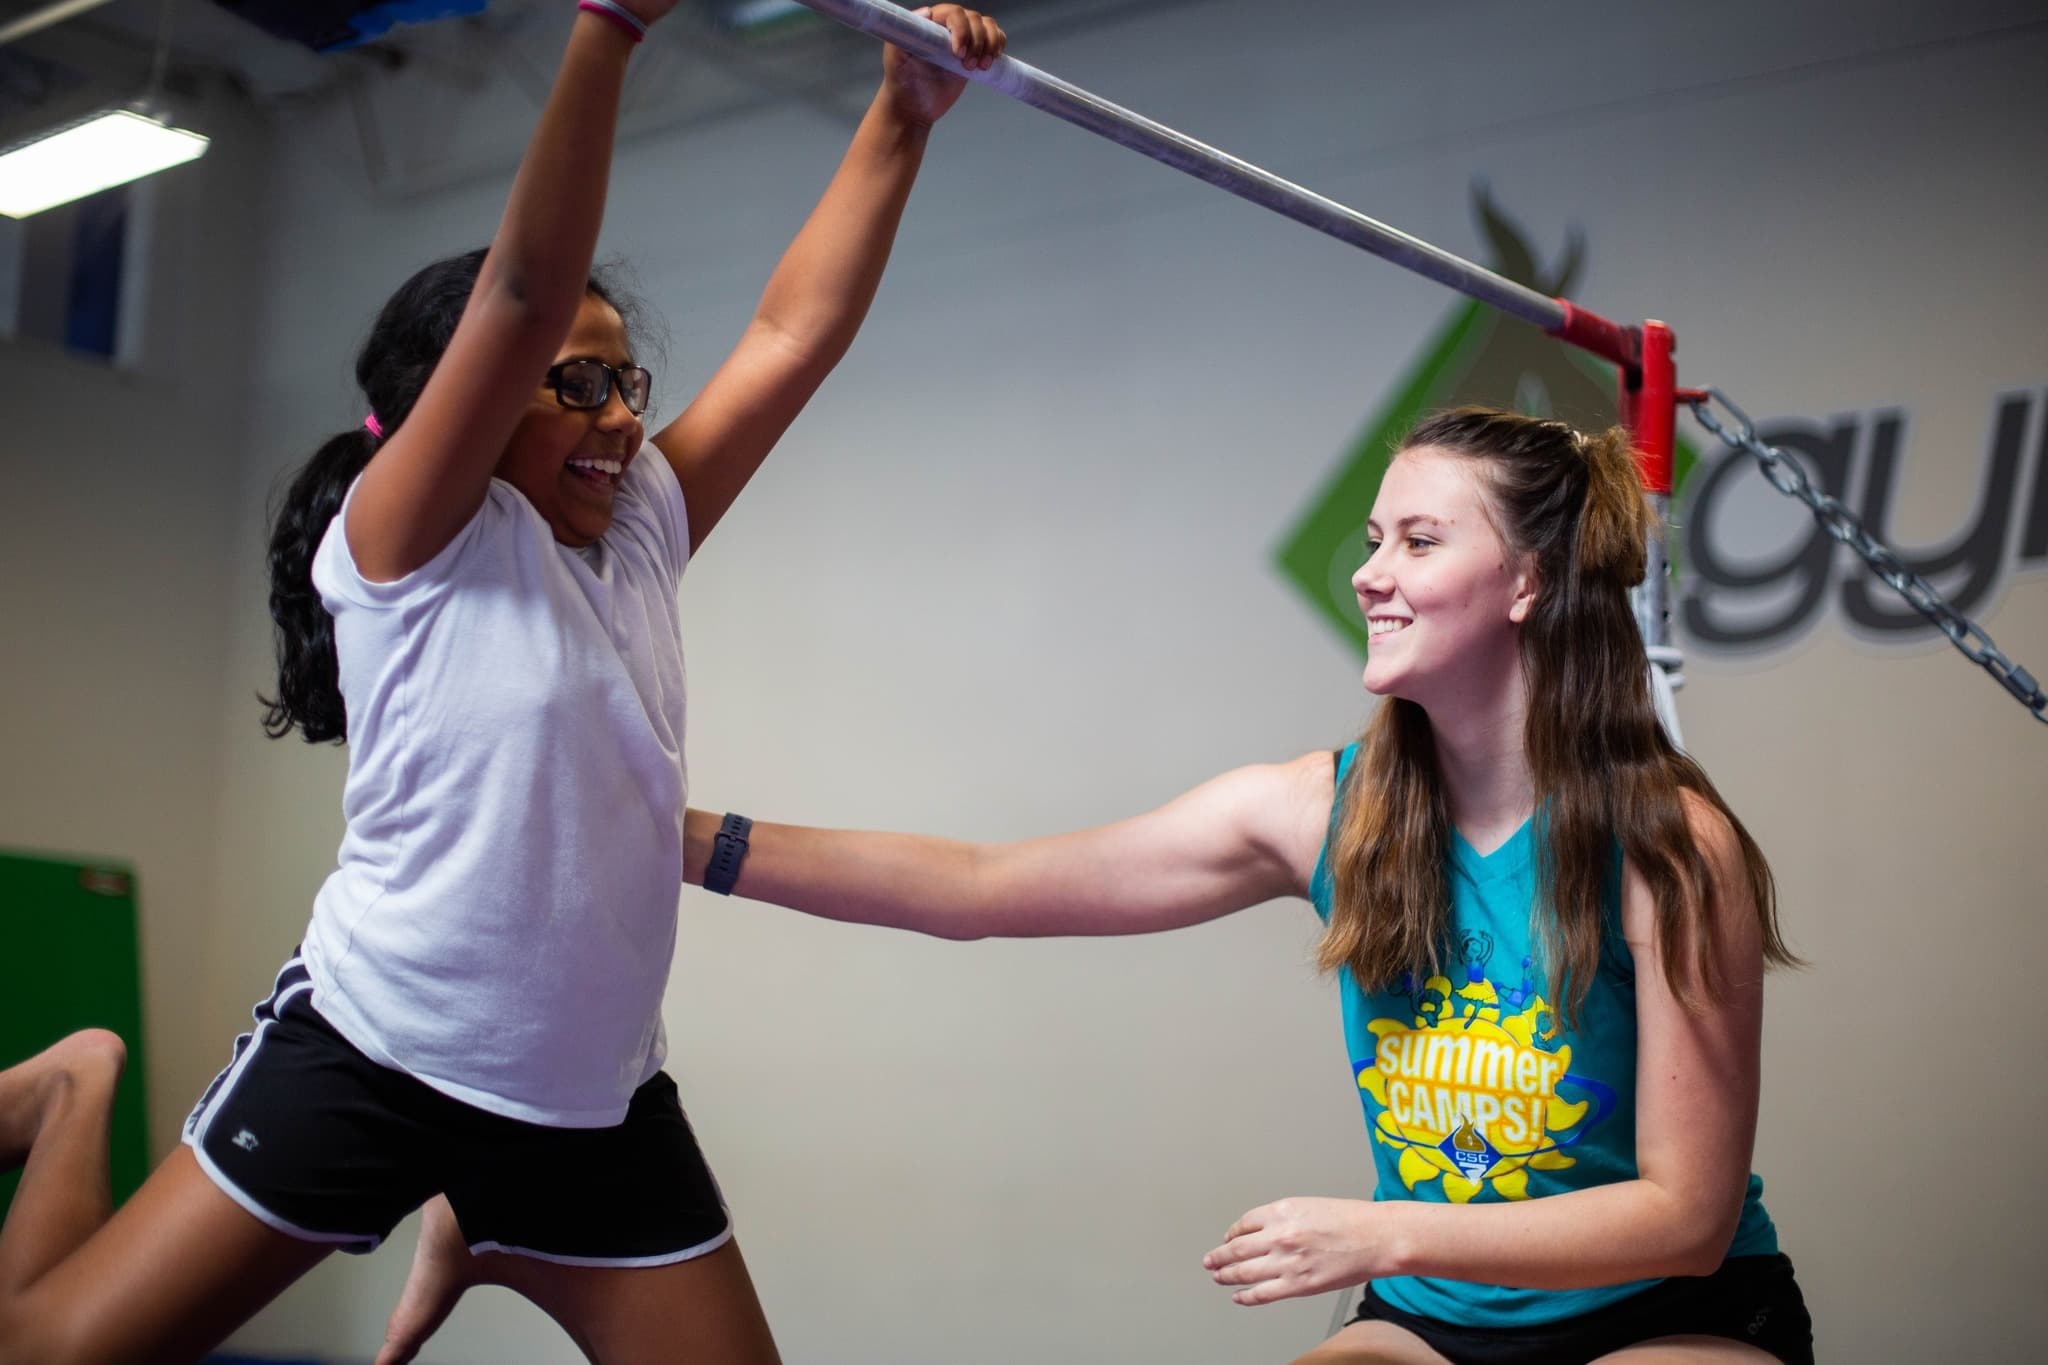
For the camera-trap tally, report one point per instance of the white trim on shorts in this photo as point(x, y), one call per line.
point(631, 1262)
point(617, 1262)
point(243, 1041)
point(201, 1122)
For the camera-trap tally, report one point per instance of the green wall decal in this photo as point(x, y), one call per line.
point(69, 959)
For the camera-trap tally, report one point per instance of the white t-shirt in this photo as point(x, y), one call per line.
point(502, 918)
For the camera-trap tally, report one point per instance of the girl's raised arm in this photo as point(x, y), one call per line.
point(820, 291)
point(429, 477)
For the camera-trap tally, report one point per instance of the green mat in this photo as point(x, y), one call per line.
point(69, 959)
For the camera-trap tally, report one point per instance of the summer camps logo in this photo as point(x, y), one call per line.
point(1754, 572)
point(1472, 1083)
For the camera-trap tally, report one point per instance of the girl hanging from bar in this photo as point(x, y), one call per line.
point(477, 589)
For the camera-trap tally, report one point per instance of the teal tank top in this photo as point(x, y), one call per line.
point(1476, 1092)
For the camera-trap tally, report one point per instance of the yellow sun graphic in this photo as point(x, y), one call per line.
point(1467, 1096)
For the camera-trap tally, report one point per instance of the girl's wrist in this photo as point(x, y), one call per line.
point(621, 19)
point(1394, 1236)
point(700, 832)
point(897, 123)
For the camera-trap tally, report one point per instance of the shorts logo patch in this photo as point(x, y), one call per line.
point(246, 1140)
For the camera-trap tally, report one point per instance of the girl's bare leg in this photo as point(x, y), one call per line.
point(702, 1311)
point(1690, 1351)
point(161, 1281)
point(56, 1123)
point(1373, 1343)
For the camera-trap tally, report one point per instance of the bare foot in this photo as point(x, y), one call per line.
point(442, 1269)
point(91, 1058)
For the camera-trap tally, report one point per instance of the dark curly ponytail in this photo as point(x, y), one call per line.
point(308, 690)
point(411, 333)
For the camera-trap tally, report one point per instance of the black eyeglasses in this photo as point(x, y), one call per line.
point(588, 384)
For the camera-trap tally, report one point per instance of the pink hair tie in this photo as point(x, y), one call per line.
point(373, 426)
point(618, 14)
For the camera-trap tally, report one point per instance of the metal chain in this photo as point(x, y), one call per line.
point(1789, 477)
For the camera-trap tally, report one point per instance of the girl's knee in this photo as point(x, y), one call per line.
point(102, 1048)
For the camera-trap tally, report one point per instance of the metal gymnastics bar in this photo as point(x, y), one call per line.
point(1561, 318)
point(1649, 393)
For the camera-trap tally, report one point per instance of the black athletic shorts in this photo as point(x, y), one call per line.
point(1751, 1299)
point(320, 1142)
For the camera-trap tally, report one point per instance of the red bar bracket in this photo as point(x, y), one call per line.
point(1649, 406)
point(1591, 332)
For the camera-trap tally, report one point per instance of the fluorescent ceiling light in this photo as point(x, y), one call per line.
point(94, 154)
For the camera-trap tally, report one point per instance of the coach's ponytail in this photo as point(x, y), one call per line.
point(1615, 521)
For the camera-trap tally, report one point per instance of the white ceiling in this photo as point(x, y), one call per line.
point(205, 38)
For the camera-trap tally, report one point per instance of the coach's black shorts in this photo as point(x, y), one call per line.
point(320, 1142)
point(1751, 1299)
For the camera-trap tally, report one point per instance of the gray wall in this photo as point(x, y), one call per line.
point(121, 540)
point(1013, 573)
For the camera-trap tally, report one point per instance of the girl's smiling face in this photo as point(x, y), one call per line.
point(569, 461)
point(1443, 596)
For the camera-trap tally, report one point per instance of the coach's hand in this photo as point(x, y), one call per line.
point(1298, 1246)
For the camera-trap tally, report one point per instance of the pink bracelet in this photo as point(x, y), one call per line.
point(618, 14)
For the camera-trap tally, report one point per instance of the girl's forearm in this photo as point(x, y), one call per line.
point(1609, 1234)
point(540, 257)
point(821, 289)
point(901, 881)
point(1222, 847)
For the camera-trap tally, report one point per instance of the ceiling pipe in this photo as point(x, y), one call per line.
point(37, 20)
